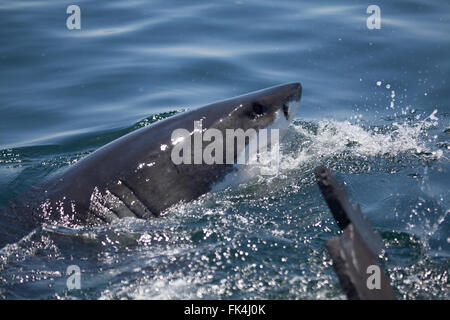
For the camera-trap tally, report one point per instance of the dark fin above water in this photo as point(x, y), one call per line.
point(345, 212)
point(354, 253)
point(355, 266)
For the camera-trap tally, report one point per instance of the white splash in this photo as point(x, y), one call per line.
point(336, 137)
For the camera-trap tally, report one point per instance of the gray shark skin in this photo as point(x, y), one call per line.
point(134, 175)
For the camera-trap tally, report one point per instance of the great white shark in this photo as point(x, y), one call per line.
point(134, 175)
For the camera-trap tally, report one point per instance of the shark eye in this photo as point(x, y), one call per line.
point(258, 109)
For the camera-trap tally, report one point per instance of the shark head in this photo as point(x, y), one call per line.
point(273, 107)
point(250, 120)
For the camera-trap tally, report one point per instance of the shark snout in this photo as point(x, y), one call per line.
point(294, 93)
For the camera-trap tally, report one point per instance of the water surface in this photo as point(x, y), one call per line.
point(374, 110)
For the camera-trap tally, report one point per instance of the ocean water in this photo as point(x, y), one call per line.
point(374, 109)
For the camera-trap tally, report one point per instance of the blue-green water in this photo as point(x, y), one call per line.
point(374, 109)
